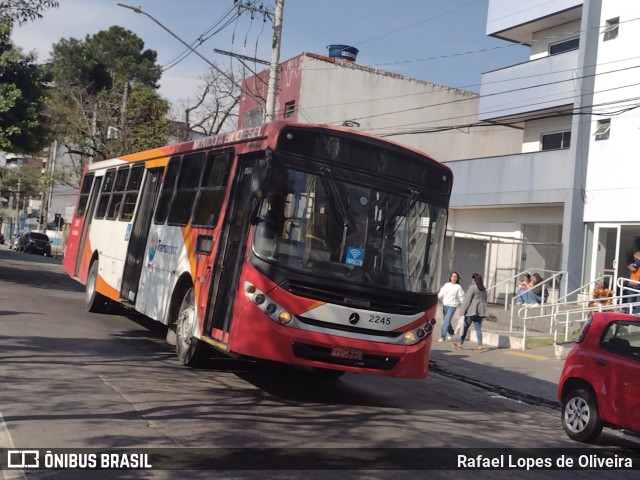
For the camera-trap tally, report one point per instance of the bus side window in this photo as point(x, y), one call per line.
point(168, 185)
point(116, 196)
point(105, 196)
point(186, 189)
point(131, 195)
point(212, 189)
point(84, 195)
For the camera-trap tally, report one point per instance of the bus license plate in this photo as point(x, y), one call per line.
point(347, 353)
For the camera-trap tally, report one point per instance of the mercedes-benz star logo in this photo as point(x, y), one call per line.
point(354, 318)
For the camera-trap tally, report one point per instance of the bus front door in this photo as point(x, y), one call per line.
point(138, 236)
point(229, 258)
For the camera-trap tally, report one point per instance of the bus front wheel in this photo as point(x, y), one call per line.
point(95, 302)
point(191, 351)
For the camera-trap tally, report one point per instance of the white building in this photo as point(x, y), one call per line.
point(574, 100)
point(315, 88)
point(551, 184)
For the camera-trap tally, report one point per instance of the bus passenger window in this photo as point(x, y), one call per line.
point(116, 197)
point(84, 195)
point(186, 189)
point(131, 195)
point(105, 196)
point(164, 200)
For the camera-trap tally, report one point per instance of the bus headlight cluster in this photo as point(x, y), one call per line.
point(274, 311)
point(414, 336)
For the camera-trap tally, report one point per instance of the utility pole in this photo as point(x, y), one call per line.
point(18, 207)
point(46, 202)
point(270, 111)
point(272, 85)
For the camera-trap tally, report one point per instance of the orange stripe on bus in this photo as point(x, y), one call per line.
point(312, 306)
point(107, 290)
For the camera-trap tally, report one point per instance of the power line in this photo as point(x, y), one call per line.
point(483, 96)
point(199, 41)
point(585, 110)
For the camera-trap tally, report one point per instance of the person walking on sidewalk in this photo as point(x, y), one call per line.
point(451, 295)
point(474, 309)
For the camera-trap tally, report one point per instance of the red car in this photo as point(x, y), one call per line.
point(600, 382)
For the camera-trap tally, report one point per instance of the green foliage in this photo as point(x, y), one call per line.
point(24, 10)
point(22, 98)
point(105, 103)
point(26, 179)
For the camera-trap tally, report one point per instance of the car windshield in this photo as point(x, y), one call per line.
point(327, 227)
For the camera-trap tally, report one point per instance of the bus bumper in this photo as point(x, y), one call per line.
point(260, 337)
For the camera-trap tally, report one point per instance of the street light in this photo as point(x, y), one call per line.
point(139, 10)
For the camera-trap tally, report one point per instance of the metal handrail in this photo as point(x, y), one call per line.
point(546, 281)
point(600, 279)
point(617, 304)
point(507, 281)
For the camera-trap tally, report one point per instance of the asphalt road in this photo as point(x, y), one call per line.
point(71, 379)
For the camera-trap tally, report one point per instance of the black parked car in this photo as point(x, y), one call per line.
point(34, 242)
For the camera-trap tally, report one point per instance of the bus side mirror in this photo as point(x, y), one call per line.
point(258, 177)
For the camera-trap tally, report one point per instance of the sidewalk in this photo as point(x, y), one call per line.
point(530, 376)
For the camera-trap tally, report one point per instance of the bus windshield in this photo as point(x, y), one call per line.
point(321, 225)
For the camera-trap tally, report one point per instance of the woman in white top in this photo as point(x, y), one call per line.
point(451, 295)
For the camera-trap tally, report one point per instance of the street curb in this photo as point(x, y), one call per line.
point(505, 392)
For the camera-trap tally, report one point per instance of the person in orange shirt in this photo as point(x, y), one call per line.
point(634, 282)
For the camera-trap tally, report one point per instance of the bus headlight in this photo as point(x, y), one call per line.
point(284, 318)
point(409, 338)
point(270, 308)
point(414, 336)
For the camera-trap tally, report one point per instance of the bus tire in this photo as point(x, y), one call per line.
point(95, 302)
point(191, 351)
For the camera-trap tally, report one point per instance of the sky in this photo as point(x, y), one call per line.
point(437, 41)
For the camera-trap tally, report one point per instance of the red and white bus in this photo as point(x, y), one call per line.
point(302, 244)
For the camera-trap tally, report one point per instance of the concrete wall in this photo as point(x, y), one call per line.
point(505, 14)
point(533, 131)
point(613, 189)
point(556, 34)
point(383, 103)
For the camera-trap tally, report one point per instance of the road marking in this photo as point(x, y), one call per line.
point(528, 355)
point(7, 442)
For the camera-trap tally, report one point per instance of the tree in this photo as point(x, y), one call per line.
point(24, 10)
point(214, 108)
point(104, 101)
point(22, 97)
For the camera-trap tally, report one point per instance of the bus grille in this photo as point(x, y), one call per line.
point(323, 354)
point(340, 296)
point(348, 328)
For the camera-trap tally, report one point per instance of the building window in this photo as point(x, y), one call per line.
point(611, 29)
point(565, 46)
point(555, 141)
point(253, 117)
point(603, 130)
point(289, 109)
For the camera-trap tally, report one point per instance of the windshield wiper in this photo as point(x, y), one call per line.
point(337, 200)
point(404, 208)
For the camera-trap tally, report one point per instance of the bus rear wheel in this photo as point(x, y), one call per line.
point(95, 302)
point(191, 351)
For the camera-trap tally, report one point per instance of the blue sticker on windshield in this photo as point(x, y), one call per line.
point(354, 256)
